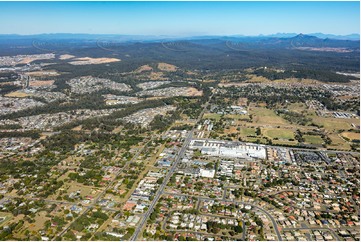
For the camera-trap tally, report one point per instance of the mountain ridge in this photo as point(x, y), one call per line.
point(353, 36)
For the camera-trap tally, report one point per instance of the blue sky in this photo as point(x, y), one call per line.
point(179, 18)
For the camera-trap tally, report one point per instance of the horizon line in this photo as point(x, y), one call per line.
point(180, 35)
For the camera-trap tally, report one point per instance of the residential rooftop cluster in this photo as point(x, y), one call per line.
point(11, 105)
point(115, 99)
point(50, 121)
point(89, 84)
point(170, 92)
point(152, 84)
point(144, 117)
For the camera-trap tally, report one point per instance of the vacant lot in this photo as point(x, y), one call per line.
point(215, 116)
point(333, 124)
point(92, 61)
point(247, 132)
point(266, 116)
point(41, 83)
point(66, 57)
point(143, 68)
point(313, 139)
point(338, 143)
point(278, 133)
point(351, 135)
point(43, 73)
point(194, 92)
point(17, 94)
point(166, 67)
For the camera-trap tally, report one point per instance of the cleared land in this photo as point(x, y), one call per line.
point(41, 83)
point(17, 94)
point(351, 135)
point(66, 57)
point(166, 67)
point(93, 61)
point(194, 92)
point(143, 68)
point(42, 73)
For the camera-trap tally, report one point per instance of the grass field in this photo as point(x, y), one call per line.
point(297, 107)
point(334, 123)
point(247, 131)
point(313, 139)
point(351, 135)
point(215, 116)
point(338, 143)
point(278, 133)
point(266, 116)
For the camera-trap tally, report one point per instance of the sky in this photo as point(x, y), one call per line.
point(180, 18)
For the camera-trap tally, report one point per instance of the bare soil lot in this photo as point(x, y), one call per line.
point(92, 61)
point(166, 67)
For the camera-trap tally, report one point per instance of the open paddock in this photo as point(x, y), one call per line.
point(284, 134)
point(313, 139)
point(351, 135)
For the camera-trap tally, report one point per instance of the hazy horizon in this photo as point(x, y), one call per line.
point(180, 18)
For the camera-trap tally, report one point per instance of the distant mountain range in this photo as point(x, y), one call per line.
point(319, 35)
point(126, 38)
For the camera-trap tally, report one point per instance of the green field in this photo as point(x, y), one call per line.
point(313, 139)
point(278, 133)
point(334, 123)
point(247, 131)
point(215, 116)
point(266, 116)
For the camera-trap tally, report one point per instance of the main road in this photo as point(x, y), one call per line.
point(169, 174)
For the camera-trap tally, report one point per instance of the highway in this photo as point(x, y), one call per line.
point(161, 188)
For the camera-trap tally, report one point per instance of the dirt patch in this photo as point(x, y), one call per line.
point(351, 135)
point(43, 73)
point(143, 68)
point(193, 92)
point(66, 57)
point(156, 76)
point(166, 67)
point(77, 128)
point(92, 61)
point(17, 94)
point(41, 83)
